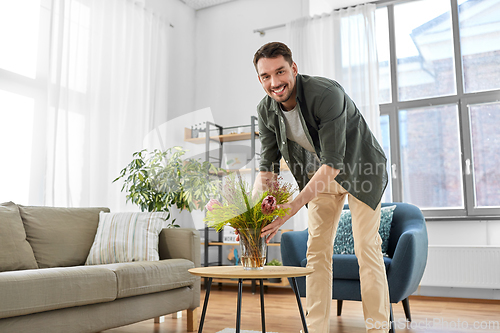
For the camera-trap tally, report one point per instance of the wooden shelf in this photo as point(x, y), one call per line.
point(222, 173)
point(219, 138)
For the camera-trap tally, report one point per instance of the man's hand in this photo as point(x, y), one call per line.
point(272, 228)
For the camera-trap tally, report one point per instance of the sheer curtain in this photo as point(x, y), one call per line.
point(342, 46)
point(107, 90)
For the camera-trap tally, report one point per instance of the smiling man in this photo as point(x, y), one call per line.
point(314, 125)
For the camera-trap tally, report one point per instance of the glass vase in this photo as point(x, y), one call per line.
point(253, 249)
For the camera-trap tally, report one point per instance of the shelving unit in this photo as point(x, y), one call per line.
point(220, 138)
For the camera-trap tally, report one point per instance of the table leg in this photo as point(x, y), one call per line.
point(238, 310)
point(262, 313)
point(295, 288)
point(205, 304)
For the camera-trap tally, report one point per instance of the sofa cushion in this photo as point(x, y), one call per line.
point(15, 251)
point(145, 277)
point(38, 290)
point(60, 236)
point(126, 237)
point(345, 266)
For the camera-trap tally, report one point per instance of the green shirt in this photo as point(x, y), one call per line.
point(337, 131)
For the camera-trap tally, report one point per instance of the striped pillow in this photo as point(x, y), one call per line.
point(125, 237)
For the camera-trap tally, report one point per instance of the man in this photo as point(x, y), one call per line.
point(320, 133)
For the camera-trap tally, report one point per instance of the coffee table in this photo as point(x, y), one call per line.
point(237, 272)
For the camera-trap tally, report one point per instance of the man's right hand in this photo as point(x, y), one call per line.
point(260, 184)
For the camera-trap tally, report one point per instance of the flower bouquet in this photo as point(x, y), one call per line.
point(248, 214)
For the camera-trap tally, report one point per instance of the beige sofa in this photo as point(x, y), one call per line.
point(45, 286)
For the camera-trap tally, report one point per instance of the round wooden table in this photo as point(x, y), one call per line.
point(237, 272)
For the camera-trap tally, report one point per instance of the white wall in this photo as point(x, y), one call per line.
point(226, 80)
point(467, 233)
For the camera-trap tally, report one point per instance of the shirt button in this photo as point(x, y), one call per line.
point(283, 142)
point(286, 161)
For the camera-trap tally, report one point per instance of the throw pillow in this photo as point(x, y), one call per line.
point(15, 251)
point(125, 237)
point(344, 240)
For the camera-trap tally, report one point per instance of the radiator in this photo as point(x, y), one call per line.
point(463, 267)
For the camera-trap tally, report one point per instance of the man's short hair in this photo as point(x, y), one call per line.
point(273, 50)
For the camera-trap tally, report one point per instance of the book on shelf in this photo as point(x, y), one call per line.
point(229, 235)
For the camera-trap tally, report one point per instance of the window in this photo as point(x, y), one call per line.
point(485, 119)
point(16, 129)
point(439, 65)
point(386, 145)
point(22, 94)
point(19, 49)
point(430, 157)
point(480, 44)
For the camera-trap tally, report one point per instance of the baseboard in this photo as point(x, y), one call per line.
point(465, 293)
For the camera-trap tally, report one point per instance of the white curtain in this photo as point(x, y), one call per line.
point(107, 90)
point(342, 46)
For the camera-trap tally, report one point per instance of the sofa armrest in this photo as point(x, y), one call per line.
point(180, 243)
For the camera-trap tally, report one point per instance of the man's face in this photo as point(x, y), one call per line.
point(278, 80)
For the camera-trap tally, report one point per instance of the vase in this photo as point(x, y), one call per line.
point(253, 249)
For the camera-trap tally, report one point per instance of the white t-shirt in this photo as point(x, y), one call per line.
point(294, 130)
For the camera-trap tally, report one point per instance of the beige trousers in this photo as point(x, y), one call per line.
point(324, 214)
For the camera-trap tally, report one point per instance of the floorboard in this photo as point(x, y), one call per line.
point(430, 315)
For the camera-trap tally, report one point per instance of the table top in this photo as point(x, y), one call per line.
point(237, 272)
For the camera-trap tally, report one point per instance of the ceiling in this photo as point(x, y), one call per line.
point(200, 4)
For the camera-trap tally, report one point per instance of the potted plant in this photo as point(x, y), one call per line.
point(248, 214)
point(158, 180)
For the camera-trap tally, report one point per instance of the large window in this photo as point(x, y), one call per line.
point(439, 65)
point(22, 92)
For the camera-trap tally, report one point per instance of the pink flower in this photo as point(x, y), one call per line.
point(268, 205)
point(213, 202)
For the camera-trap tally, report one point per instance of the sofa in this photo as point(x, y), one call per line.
point(45, 285)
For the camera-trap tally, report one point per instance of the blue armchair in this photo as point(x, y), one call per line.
point(405, 264)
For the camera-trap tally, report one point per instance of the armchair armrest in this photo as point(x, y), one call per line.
point(408, 263)
point(294, 247)
point(180, 243)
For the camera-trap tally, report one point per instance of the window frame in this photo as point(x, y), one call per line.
point(461, 99)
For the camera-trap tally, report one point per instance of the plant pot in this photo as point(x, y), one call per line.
point(253, 249)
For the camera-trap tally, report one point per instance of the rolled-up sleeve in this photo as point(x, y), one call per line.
point(270, 154)
point(332, 115)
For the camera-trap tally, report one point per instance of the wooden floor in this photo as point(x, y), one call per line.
point(429, 315)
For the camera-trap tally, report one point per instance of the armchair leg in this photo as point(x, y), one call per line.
point(406, 307)
point(391, 321)
point(339, 307)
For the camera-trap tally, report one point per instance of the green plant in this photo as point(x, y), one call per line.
point(274, 262)
point(240, 210)
point(158, 180)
